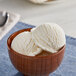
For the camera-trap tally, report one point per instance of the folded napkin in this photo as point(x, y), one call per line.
point(12, 20)
point(67, 67)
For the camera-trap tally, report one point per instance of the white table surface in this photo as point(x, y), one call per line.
point(62, 12)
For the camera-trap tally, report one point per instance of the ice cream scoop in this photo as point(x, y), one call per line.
point(24, 44)
point(38, 1)
point(49, 37)
point(41, 1)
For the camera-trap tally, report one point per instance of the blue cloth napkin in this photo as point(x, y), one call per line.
point(67, 67)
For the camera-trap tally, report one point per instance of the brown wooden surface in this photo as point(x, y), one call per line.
point(37, 65)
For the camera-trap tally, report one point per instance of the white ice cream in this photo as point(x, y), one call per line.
point(49, 37)
point(38, 1)
point(24, 44)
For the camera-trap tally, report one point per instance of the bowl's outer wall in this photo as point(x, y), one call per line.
point(34, 66)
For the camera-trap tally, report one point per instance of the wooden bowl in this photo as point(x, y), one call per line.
point(37, 65)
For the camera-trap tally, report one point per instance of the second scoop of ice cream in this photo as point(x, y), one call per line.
point(49, 37)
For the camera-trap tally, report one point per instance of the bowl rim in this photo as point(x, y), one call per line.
point(10, 49)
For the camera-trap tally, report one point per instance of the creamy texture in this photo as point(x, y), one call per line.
point(41, 41)
point(38, 1)
point(49, 37)
point(24, 44)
